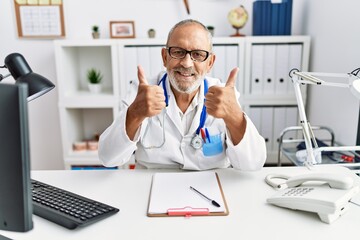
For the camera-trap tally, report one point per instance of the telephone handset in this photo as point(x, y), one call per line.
point(334, 180)
point(326, 194)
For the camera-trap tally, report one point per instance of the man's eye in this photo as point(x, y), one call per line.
point(179, 52)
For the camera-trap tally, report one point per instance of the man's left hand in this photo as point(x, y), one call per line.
point(221, 102)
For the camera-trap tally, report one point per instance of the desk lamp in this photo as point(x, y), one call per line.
point(15, 192)
point(314, 154)
point(22, 73)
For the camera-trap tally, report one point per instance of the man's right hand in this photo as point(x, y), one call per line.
point(149, 101)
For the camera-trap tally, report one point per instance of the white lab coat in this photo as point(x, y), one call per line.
point(116, 149)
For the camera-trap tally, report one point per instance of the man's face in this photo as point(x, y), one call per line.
point(186, 74)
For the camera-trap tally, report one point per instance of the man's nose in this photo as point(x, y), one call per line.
point(187, 61)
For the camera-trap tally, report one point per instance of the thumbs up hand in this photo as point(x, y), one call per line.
point(149, 101)
point(221, 102)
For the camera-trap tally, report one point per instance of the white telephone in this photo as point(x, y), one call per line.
point(326, 194)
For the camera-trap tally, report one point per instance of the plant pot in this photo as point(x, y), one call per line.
point(151, 33)
point(95, 87)
point(96, 35)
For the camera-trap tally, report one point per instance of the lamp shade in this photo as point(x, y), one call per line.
point(355, 88)
point(22, 73)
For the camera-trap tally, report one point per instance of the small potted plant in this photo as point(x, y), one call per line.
point(211, 29)
point(95, 32)
point(151, 33)
point(94, 77)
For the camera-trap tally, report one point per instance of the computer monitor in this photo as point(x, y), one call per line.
point(15, 192)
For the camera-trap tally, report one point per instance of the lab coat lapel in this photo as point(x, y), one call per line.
point(196, 122)
point(172, 110)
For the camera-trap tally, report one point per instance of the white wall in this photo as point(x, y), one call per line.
point(161, 15)
point(333, 26)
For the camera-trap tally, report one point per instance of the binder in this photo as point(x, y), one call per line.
point(269, 69)
point(279, 125)
point(275, 7)
point(143, 58)
point(295, 59)
point(219, 66)
point(156, 63)
point(255, 116)
point(130, 64)
point(257, 65)
point(232, 61)
point(267, 119)
point(171, 195)
point(288, 17)
point(282, 79)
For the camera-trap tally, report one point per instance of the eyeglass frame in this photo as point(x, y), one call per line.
point(189, 52)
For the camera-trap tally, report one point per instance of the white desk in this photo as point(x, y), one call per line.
point(246, 192)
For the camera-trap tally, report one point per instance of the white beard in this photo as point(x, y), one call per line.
point(183, 89)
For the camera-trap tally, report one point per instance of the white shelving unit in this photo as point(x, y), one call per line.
point(84, 115)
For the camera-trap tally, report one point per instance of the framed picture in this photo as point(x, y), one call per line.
point(122, 29)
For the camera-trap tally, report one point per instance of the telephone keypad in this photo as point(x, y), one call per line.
point(299, 191)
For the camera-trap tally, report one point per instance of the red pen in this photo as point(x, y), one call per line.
point(203, 134)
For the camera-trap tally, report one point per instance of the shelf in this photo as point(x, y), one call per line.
point(83, 114)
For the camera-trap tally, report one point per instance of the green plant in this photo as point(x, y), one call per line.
point(94, 76)
point(95, 28)
point(210, 27)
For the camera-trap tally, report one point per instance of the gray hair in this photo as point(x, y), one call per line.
point(186, 22)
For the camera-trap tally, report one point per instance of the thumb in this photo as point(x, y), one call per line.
point(141, 76)
point(232, 78)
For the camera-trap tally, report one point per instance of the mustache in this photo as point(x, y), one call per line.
point(189, 70)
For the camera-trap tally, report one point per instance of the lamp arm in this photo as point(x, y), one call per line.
point(4, 76)
point(308, 134)
point(298, 78)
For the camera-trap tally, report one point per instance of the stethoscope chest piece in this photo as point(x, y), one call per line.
point(196, 142)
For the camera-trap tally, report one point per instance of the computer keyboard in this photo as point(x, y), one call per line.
point(66, 208)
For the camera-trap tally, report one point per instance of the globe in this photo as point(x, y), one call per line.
point(237, 18)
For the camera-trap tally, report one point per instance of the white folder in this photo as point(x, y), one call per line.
point(267, 126)
point(143, 58)
point(279, 125)
point(232, 61)
point(269, 69)
point(130, 64)
point(282, 79)
point(156, 63)
point(255, 115)
point(220, 63)
point(292, 120)
point(257, 65)
point(295, 59)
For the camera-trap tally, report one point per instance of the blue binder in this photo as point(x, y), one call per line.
point(272, 18)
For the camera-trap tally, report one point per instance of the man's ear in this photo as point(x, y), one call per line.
point(164, 56)
point(211, 62)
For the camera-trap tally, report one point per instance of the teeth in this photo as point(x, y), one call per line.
point(186, 75)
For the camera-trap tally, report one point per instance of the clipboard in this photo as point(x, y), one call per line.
point(171, 195)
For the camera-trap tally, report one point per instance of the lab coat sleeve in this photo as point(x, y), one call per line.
point(115, 147)
point(250, 153)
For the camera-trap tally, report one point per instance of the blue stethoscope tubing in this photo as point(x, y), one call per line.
point(203, 111)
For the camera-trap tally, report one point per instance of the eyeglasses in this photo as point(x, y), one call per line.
point(195, 55)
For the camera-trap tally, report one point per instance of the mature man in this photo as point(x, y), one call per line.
point(187, 120)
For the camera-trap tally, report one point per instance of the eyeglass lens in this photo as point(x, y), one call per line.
point(196, 55)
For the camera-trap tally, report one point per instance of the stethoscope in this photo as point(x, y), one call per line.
point(196, 141)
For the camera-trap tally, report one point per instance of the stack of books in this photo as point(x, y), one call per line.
point(272, 17)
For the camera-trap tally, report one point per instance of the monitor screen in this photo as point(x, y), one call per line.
point(15, 192)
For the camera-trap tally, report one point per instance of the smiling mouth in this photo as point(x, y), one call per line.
point(184, 74)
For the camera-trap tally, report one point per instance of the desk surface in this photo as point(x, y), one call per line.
point(246, 192)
